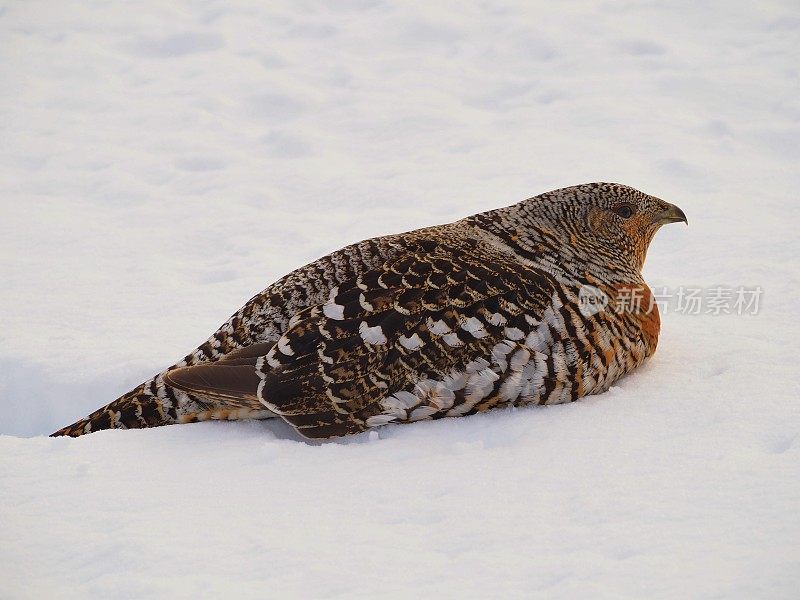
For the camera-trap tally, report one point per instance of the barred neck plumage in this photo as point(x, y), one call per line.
point(558, 241)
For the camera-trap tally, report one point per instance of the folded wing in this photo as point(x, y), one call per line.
point(427, 313)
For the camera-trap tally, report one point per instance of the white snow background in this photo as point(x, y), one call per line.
point(161, 162)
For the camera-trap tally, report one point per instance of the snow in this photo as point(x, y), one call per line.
point(162, 162)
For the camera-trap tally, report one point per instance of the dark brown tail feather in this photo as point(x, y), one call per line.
point(155, 403)
point(142, 408)
point(137, 409)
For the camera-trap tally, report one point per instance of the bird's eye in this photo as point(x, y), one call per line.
point(624, 211)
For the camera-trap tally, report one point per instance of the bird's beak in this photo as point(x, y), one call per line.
point(670, 214)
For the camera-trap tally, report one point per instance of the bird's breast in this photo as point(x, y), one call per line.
point(568, 351)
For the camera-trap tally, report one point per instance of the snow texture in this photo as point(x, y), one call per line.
point(161, 162)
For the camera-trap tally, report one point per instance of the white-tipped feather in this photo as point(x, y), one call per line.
point(371, 335)
point(500, 354)
point(411, 343)
point(497, 319)
point(479, 364)
point(378, 420)
point(474, 326)
point(513, 333)
point(285, 347)
point(451, 339)
point(438, 327)
point(423, 412)
point(333, 311)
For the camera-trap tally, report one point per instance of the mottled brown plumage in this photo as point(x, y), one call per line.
point(541, 302)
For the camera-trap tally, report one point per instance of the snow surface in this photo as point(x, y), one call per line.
point(161, 162)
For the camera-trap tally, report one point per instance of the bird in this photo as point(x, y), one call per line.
point(538, 303)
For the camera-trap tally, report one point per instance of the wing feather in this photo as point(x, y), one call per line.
point(429, 311)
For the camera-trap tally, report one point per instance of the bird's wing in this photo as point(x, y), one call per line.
point(429, 312)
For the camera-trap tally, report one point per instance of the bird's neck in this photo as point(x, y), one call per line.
point(571, 252)
point(598, 279)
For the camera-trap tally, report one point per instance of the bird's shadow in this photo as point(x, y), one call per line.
point(281, 430)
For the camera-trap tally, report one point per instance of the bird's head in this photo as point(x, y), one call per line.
point(609, 222)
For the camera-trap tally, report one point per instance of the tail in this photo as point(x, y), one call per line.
point(142, 407)
point(153, 404)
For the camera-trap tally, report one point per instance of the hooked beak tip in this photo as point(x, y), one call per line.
point(672, 214)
